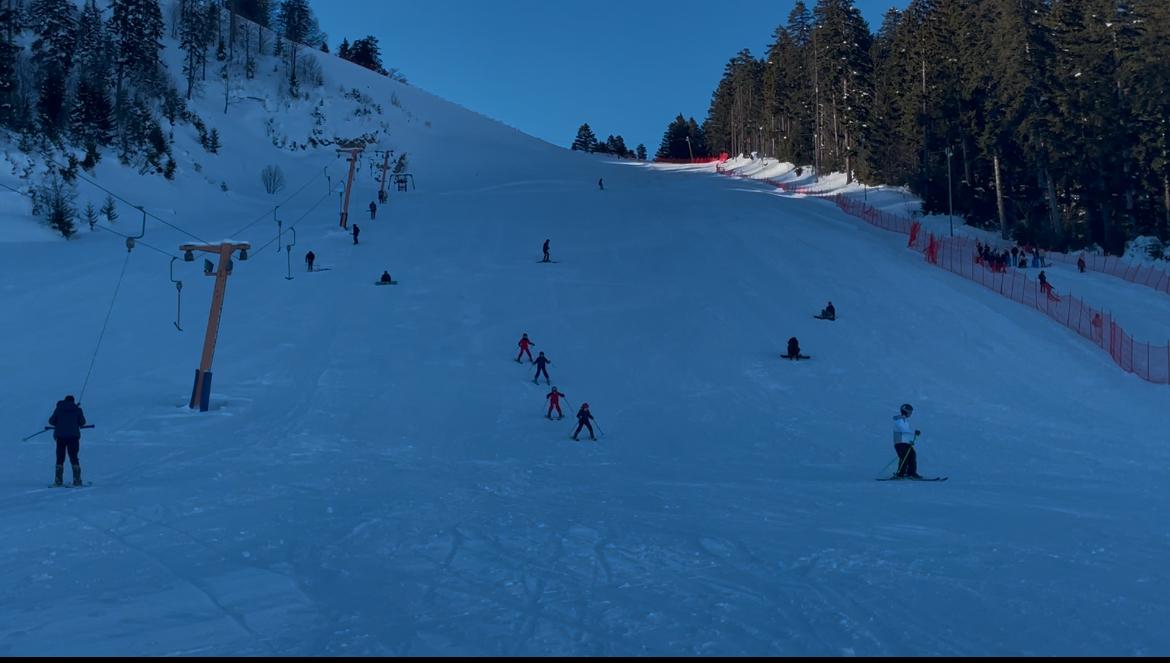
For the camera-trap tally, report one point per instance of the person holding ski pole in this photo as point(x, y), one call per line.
point(583, 417)
point(524, 345)
point(67, 420)
point(373, 210)
point(554, 401)
point(542, 363)
point(907, 460)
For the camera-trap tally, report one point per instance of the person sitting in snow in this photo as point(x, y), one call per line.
point(794, 349)
point(828, 313)
point(386, 277)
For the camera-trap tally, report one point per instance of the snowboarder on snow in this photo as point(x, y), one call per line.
point(583, 417)
point(907, 462)
point(309, 258)
point(386, 277)
point(794, 349)
point(524, 345)
point(545, 249)
point(828, 313)
point(67, 420)
point(554, 401)
point(541, 367)
point(356, 230)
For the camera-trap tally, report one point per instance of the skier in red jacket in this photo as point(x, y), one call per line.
point(554, 401)
point(524, 345)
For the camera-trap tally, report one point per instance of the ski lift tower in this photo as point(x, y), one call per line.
point(201, 391)
point(354, 154)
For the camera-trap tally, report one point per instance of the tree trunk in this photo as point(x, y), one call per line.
point(1166, 205)
point(1003, 227)
point(1053, 208)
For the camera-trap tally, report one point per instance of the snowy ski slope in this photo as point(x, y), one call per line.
point(376, 475)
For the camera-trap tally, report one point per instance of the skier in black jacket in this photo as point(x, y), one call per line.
point(545, 248)
point(541, 363)
point(67, 420)
point(583, 417)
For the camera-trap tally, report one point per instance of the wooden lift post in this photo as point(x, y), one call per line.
point(354, 153)
point(201, 391)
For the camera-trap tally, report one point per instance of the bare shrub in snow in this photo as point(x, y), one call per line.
point(273, 178)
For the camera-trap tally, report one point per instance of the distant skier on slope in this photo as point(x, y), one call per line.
point(545, 249)
point(524, 345)
point(554, 401)
point(309, 258)
point(356, 230)
point(541, 367)
point(1081, 264)
point(373, 210)
point(583, 417)
point(601, 183)
point(67, 420)
point(907, 460)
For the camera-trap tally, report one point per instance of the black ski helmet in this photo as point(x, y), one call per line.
point(907, 409)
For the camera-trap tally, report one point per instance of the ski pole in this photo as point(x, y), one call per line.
point(595, 422)
point(26, 439)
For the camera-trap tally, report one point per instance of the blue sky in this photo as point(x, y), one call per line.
point(545, 66)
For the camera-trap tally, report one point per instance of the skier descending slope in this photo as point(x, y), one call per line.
point(524, 345)
point(583, 417)
point(545, 249)
point(554, 401)
point(541, 367)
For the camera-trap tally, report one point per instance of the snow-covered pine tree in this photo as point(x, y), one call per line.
point(52, 21)
point(586, 140)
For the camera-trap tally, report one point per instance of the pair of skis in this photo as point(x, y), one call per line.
point(898, 478)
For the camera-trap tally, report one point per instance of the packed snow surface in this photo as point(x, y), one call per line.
point(376, 475)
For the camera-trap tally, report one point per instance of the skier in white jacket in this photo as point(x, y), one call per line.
point(904, 443)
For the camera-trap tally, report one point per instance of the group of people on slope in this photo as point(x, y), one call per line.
point(1017, 256)
point(554, 397)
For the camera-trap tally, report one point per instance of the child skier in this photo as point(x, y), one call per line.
point(554, 401)
point(524, 345)
point(541, 363)
point(583, 417)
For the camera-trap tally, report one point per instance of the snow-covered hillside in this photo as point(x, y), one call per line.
point(376, 475)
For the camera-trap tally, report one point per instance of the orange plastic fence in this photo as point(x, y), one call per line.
point(1133, 272)
point(958, 256)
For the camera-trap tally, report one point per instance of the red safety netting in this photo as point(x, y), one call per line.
point(1133, 272)
point(720, 159)
point(958, 255)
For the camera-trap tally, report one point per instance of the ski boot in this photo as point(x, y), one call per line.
point(77, 475)
point(58, 480)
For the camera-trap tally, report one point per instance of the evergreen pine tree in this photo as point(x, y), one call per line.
point(367, 53)
point(343, 49)
point(213, 144)
point(52, 21)
point(110, 209)
point(10, 29)
point(640, 152)
point(585, 141)
point(90, 215)
point(91, 117)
